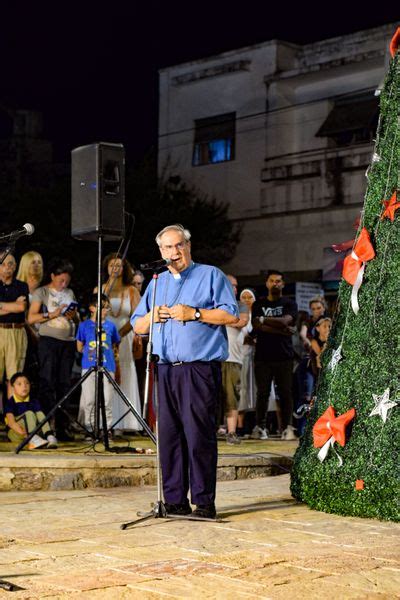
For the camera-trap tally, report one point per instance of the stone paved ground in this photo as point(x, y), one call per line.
point(69, 545)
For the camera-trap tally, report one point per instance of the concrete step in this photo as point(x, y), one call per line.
point(73, 467)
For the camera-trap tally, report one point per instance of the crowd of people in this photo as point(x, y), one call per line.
point(273, 364)
point(43, 335)
point(268, 377)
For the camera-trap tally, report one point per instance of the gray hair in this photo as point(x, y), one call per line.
point(177, 227)
point(138, 272)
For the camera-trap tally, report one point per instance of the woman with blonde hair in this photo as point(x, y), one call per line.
point(31, 270)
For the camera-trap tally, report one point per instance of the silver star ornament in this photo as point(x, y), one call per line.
point(336, 357)
point(382, 405)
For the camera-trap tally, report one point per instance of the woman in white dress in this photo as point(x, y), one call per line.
point(124, 298)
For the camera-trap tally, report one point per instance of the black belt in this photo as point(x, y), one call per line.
point(178, 363)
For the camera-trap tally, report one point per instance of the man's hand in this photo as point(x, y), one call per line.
point(291, 329)
point(182, 312)
point(161, 314)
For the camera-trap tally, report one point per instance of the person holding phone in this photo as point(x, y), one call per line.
point(53, 310)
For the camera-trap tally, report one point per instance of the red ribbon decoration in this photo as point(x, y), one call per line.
point(330, 429)
point(363, 251)
point(328, 425)
point(395, 42)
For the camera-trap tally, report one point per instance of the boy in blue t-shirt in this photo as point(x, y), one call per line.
point(86, 343)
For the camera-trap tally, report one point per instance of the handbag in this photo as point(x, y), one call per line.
point(137, 347)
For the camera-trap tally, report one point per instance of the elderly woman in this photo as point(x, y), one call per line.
point(50, 311)
point(124, 297)
point(248, 383)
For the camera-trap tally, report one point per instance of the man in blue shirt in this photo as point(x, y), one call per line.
point(193, 304)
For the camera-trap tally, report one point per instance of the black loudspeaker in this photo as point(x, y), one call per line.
point(98, 191)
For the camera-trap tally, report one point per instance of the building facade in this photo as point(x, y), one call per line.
point(284, 134)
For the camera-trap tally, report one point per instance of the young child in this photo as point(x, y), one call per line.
point(86, 343)
point(23, 414)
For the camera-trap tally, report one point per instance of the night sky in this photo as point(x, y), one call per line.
point(91, 67)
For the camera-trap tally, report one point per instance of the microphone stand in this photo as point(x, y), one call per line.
point(158, 511)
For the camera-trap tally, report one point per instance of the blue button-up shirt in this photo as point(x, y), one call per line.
point(200, 286)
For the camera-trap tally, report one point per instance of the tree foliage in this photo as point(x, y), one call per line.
point(370, 342)
point(160, 202)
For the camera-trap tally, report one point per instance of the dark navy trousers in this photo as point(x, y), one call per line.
point(188, 396)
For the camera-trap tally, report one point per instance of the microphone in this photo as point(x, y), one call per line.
point(156, 265)
point(27, 229)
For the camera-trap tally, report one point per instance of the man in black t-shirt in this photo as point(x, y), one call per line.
point(14, 297)
point(273, 320)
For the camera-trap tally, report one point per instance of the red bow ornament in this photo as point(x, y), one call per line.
point(395, 42)
point(354, 265)
point(330, 429)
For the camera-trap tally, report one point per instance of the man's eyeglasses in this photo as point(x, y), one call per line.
point(178, 246)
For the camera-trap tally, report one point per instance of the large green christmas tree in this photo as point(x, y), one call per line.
point(348, 460)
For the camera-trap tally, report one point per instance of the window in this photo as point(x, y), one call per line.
point(352, 120)
point(214, 139)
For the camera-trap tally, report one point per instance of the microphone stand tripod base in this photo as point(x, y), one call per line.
point(157, 512)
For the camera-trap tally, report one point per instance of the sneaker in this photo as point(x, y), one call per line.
point(36, 442)
point(259, 433)
point(52, 441)
point(232, 439)
point(178, 509)
point(205, 511)
point(289, 434)
point(263, 434)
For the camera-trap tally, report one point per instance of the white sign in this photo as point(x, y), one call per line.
point(305, 291)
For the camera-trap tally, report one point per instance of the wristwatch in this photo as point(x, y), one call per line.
point(197, 314)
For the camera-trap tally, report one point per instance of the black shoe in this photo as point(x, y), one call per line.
point(205, 511)
point(178, 509)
